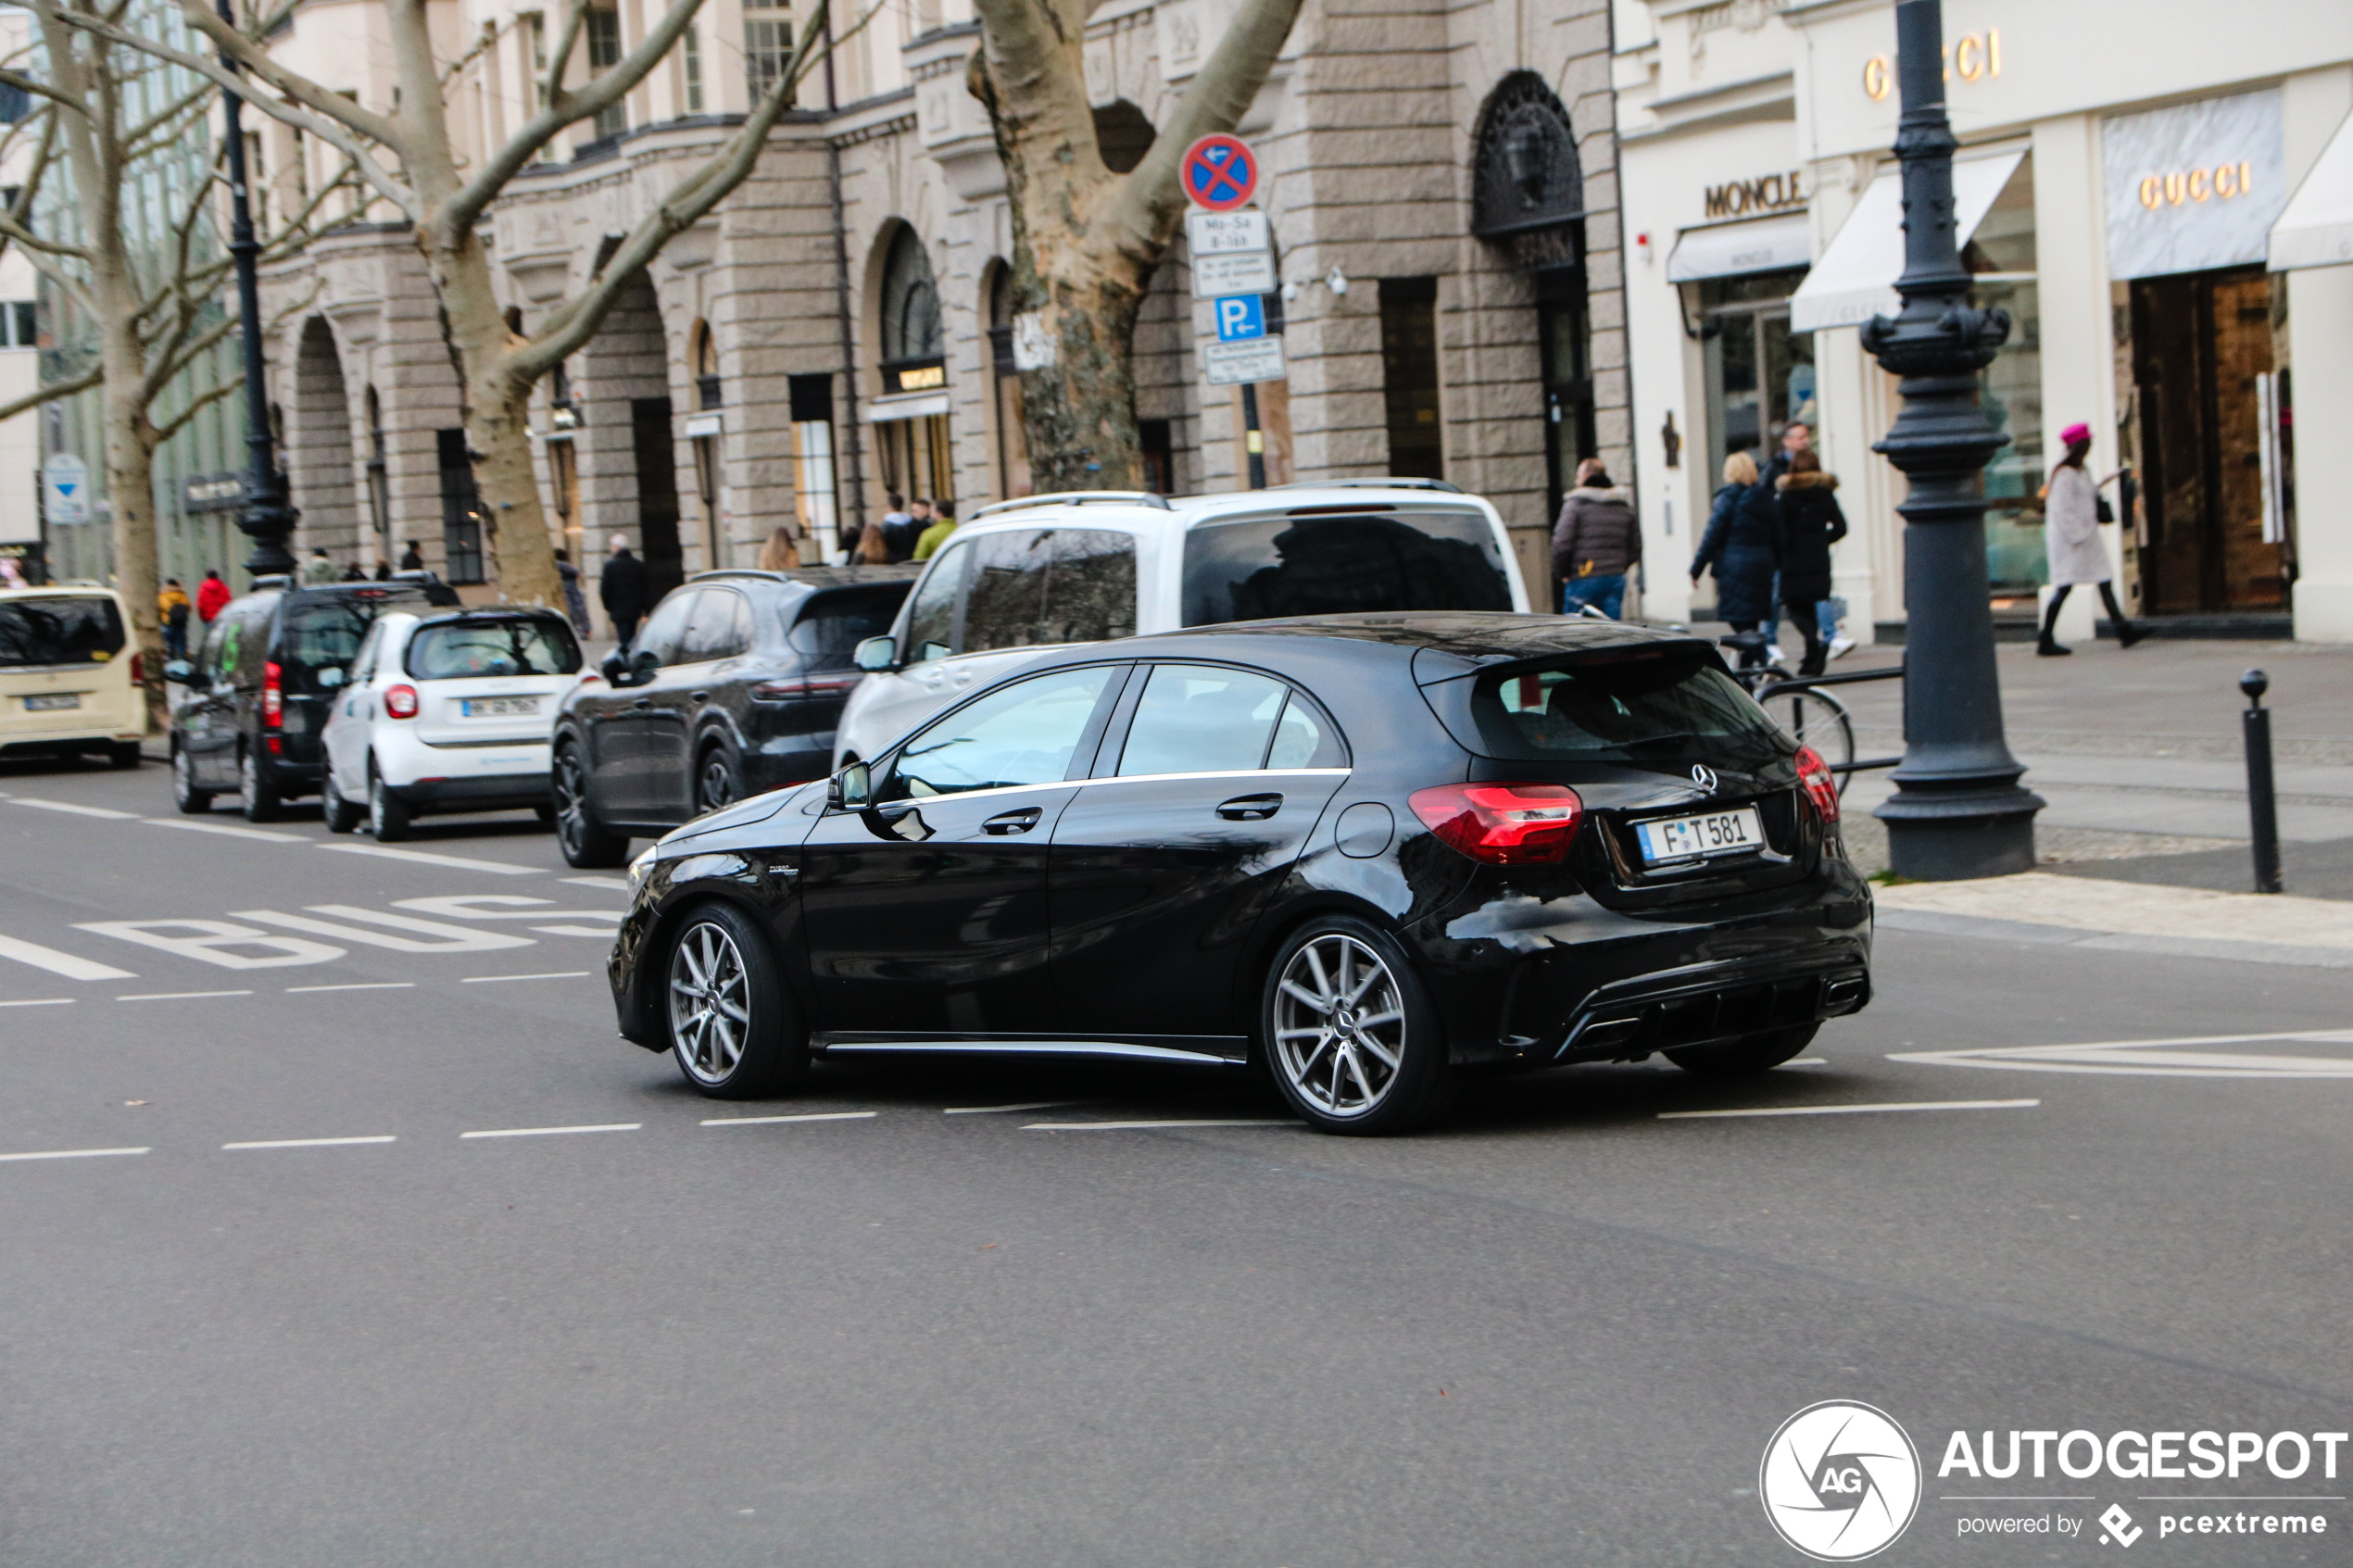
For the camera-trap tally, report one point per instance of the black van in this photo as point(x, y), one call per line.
point(258, 689)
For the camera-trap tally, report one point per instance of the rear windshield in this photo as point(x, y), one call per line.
point(831, 625)
point(1669, 707)
point(1283, 566)
point(58, 631)
point(452, 650)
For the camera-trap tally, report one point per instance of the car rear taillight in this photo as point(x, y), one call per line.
point(400, 702)
point(138, 671)
point(1821, 784)
point(273, 695)
point(1503, 824)
point(805, 689)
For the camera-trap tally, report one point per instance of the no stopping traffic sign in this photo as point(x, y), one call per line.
point(1220, 172)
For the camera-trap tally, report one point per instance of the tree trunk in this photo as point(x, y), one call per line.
point(131, 485)
point(498, 418)
point(1079, 412)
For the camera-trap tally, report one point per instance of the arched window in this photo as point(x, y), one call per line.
point(911, 305)
point(911, 417)
point(1122, 135)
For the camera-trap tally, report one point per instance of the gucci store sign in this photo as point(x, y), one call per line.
point(2193, 186)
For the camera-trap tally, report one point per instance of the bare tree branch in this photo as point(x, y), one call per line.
point(1150, 197)
point(197, 405)
point(51, 392)
point(380, 129)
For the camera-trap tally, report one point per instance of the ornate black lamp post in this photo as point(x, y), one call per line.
point(266, 517)
point(1958, 810)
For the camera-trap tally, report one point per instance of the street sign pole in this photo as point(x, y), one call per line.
point(1254, 438)
point(1233, 268)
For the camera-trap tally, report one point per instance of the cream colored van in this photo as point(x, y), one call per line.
point(69, 677)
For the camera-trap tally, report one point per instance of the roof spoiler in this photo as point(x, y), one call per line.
point(1390, 484)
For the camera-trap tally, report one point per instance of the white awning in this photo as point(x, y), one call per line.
point(2317, 228)
point(1855, 278)
point(1735, 250)
point(905, 406)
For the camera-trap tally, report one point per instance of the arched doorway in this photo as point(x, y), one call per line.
point(911, 417)
point(1528, 199)
point(319, 455)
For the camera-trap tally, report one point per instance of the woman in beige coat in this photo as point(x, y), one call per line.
point(2072, 540)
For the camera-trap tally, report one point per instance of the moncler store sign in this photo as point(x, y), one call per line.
point(2193, 186)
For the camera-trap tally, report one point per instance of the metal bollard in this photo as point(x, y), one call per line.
point(2262, 807)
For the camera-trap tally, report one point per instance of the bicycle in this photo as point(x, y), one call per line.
point(1812, 716)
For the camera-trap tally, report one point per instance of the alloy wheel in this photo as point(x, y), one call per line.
point(1340, 1025)
point(709, 1003)
point(716, 788)
point(572, 800)
point(183, 778)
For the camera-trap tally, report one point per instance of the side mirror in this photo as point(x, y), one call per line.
point(643, 666)
point(615, 668)
point(877, 653)
point(852, 789)
point(180, 672)
point(330, 677)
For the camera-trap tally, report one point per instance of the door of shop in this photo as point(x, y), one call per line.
point(2199, 340)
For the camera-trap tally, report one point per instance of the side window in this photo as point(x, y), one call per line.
point(363, 663)
point(720, 627)
point(931, 621)
point(665, 628)
point(1200, 719)
point(1305, 738)
point(1054, 586)
point(1026, 734)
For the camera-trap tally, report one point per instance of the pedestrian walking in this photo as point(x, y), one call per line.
point(575, 603)
point(317, 568)
point(928, 544)
point(1811, 522)
point(782, 553)
point(623, 588)
point(213, 597)
point(1597, 542)
point(354, 573)
point(383, 570)
point(412, 559)
point(876, 548)
point(2071, 518)
point(903, 535)
point(1742, 546)
point(172, 605)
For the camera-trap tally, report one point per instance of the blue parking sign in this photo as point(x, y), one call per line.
point(1240, 318)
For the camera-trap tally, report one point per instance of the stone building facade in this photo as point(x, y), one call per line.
point(837, 327)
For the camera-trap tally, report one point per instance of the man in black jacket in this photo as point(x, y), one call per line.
point(624, 591)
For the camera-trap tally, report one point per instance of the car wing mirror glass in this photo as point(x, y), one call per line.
point(615, 668)
point(852, 789)
point(642, 666)
point(877, 653)
point(330, 677)
point(179, 672)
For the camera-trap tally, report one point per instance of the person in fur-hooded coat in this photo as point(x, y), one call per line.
point(1811, 524)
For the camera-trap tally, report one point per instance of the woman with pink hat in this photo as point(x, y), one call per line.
point(2072, 538)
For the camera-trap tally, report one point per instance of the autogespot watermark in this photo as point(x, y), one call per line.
point(1841, 1481)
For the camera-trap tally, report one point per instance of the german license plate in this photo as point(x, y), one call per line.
point(1692, 838)
point(497, 707)
point(52, 702)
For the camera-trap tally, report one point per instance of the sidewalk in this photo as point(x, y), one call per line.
point(2123, 916)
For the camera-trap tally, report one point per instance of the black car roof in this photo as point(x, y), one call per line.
point(1475, 639)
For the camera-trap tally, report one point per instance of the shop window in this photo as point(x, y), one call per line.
point(767, 47)
point(1565, 358)
point(461, 508)
point(2000, 256)
point(1760, 375)
point(812, 440)
point(604, 53)
point(913, 446)
point(650, 444)
point(1409, 376)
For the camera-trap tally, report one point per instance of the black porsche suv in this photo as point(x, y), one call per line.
point(732, 687)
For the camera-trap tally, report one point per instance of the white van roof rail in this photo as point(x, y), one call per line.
point(1371, 484)
point(1082, 498)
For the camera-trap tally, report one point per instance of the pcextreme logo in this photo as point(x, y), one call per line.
point(1840, 1481)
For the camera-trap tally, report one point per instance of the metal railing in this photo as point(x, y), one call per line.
point(1850, 678)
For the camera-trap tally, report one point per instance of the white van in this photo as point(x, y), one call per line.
point(1094, 565)
point(69, 678)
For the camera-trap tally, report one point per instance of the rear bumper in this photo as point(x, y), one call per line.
point(69, 743)
point(496, 792)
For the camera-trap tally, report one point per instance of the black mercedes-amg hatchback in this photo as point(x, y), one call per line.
point(1371, 853)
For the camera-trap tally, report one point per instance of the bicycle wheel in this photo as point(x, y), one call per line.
point(1819, 720)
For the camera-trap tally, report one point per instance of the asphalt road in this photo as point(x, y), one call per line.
point(1559, 1330)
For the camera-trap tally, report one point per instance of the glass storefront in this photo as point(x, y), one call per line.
point(1760, 375)
point(2000, 256)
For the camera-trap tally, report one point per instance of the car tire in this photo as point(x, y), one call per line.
point(719, 778)
point(125, 755)
point(261, 801)
point(342, 815)
point(733, 1031)
point(388, 815)
point(192, 801)
point(546, 812)
point(1349, 1032)
point(1748, 1054)
point(585, 844)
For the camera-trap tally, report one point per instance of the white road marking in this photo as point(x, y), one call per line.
point(2160, 1058)
point(1855, 1109)
point(618, 885)
point(424, 858)
point(309, 1143)
point(771, 1121)
point(191, 825)
point(72, 1153)
point(998, 1110)
point(76, 811)
point(494, 979)
point(428, 937)
point(56, 962)
point(550, 1132)
point(1146, 1126)
point(179, 995)
point(40, 1002)
point(597, 931)
point(360, 985)
point(1807, 1062)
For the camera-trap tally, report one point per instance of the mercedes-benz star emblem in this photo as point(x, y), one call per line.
point(1704, 776)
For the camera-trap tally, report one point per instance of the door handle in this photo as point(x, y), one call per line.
point(643, 702)
point(1005, 822)
point(1251, 808)
point(702, 697)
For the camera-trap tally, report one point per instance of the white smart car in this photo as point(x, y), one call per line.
point(448, 712)
point(1087, 567)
